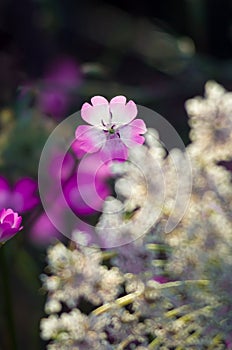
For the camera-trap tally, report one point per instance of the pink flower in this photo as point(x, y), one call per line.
point(9, 224)
point(113, 127)
point(22, 197)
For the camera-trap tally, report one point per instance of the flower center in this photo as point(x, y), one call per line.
point(111, 130)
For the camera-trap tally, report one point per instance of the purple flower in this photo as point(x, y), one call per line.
point(68, 164)
point(43, 231)
point(113, 127)
point(64, 72)
point(161, 279)
point(22, 197)
point(53, 102)
point(57, 85)
point(86, 190)
point(10, 224)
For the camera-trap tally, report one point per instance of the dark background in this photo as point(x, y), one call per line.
point(121, 37)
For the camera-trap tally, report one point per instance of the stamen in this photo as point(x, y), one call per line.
point(111, 131)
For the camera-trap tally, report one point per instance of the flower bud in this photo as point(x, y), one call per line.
point(10, 224)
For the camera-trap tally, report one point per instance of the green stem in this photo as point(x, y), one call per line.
point(155, 343)
point(123, 301)
point(7, 299)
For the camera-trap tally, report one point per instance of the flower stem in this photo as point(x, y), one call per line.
point(123, 301)
point(7, 299)
point(155, 343)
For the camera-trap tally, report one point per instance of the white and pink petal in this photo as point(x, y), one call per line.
point(114, 149)
point(118, 99)
point(89, 138)
point(131, 134)
point(99, 100)
point(98, 114)
point(122, 112)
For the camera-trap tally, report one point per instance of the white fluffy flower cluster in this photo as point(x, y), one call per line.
point(77, 274)
point(165, 290)
point(71, 329)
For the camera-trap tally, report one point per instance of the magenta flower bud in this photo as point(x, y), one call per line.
point(10, 224)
